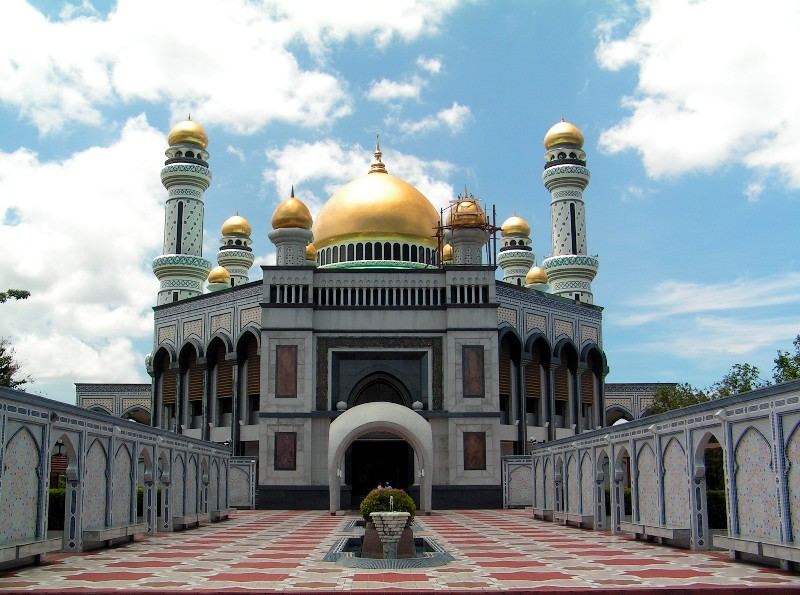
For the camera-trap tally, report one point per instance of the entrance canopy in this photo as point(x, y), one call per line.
point(380, 417)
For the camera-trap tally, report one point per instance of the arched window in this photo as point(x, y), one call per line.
point(190, 154)
point(572, 156)
point(396, 251)
point(178, 153)
point(179, 233)
point(335, 254)
point(378, 251)
point(368, 251)
point(238, 242)
point(405, 252)
point(350, 253)
point(562, 155)
point(414, 254)
point(359, 251)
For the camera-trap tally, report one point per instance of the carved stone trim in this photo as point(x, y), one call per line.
point(325, 344)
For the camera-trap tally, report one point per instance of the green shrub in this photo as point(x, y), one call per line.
point(628, 507)
point(717, 513)
point(378, 501)
point(55, 509)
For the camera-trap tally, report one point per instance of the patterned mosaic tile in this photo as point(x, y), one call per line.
point(262, 551)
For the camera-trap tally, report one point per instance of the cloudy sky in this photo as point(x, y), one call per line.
point(690, 112)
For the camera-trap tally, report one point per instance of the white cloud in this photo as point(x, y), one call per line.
point(714, 86)
point(318, 169)
point(226, 61)
point(722, 338)
point(431, 65)
point(454, 118)
point(83, 233)
point(753, 191)
point(676, 298)
point(236, 152)
point(386, 90)
point(634, 193)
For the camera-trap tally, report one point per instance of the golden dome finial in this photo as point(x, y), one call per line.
point(237, 226)
point(219, 274)
point(292, 212)
point(189, 132)
point(536, 276)
point(563, 133)
point(515, 226)
point(377, 166)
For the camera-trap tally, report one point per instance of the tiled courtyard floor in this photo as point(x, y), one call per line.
point(494, 550)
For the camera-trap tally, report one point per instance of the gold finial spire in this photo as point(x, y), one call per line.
point(377, 166)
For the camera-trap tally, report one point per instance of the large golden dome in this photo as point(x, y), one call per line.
point(236, 226)
point(188, 131)
point(292, 212)
point(563, 133)
point(515, 226)
point(376, 205)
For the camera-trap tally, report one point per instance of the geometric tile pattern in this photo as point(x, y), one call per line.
point(493, 550)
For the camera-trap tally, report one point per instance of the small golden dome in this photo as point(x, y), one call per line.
point(188, 131)
point(292, 212)
point(236, 226)
point(219, 274)
point(311, 252)
point(447, 253)
point(535, 275)
point(515, 226)
point(377, 204)
point(563, 133)
point(467, 213)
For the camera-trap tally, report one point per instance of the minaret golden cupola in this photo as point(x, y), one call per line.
point(515, 256)
point(235, 249)
point(292, 213)
point(291, 231)
point(188, 132)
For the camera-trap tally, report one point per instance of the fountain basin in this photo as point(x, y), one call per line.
point(389, 526)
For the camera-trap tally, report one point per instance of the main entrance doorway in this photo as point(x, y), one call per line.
point(378, 458)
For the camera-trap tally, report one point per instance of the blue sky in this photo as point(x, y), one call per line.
point(692, 136)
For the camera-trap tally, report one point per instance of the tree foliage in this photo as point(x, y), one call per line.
point(787, 365)
point(9, 368)
point(15, 294)
point(675, 396)
point(740, 379)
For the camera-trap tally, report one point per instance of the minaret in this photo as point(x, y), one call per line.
point(516, 254)
point(467, 230)
point(569, 269)
point(235, 252)
point(291, 231)
point(181, 267)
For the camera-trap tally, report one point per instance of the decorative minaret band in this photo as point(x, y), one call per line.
point(181, 267)
point(291, 232)
point(235, 252)
point(516, 254)
point(570, 270)
point(467, 233)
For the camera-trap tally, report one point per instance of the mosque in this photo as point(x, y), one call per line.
point(380, 347)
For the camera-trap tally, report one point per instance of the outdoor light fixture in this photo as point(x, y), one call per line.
point(59, 447)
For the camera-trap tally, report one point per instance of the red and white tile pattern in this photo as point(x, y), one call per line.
point(258, 551)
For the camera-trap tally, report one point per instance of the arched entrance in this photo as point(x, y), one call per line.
point(382, 420)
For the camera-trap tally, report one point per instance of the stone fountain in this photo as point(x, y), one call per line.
point(390, 526)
